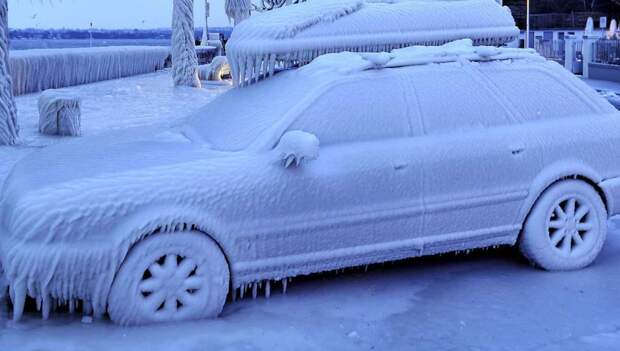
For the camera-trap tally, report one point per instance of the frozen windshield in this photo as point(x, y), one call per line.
point(234, 120)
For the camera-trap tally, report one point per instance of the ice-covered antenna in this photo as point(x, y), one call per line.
point(294, 35)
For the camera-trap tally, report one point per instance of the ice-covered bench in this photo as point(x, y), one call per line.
point(59, 114)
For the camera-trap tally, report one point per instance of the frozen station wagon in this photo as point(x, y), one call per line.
point(351, 160)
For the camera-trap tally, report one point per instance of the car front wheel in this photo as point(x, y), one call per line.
point(170, 277)
point(566, 228)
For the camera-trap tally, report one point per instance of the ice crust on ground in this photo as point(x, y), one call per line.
point(40, 69)
point(296, 34)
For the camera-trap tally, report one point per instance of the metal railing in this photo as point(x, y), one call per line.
point(551, 49)
point(607, 51)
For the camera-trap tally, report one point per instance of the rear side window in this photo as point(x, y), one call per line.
point(451, 100)
point(538, 95)
point(369, 109)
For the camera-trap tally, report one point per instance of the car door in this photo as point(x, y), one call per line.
point(478, 162)
point(364, 188)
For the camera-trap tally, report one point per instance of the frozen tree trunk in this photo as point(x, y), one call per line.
point(184, 60)
point(205, 32)
point(238, 10)
point(9, 130)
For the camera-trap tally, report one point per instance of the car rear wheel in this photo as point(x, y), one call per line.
point(170, 277)
point(566, 228)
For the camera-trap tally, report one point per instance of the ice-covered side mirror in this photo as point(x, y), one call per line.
point(296, 147)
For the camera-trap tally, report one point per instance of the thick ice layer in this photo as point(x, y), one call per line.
point(349, 62)
point(296, 34)
point(215, 70)
point(41, 69)
point(371, 195)
point(59, 114)
point(184, 59)
point(9, 128)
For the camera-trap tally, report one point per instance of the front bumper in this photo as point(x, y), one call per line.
point(64, 273)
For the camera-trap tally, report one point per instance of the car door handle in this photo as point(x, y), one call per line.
point(517, 149)
point(400, 165)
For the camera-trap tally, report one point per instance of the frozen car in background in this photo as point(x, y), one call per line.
point(354, 159)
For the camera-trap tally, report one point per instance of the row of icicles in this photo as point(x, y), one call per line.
point(255, 289)
point(248, 69)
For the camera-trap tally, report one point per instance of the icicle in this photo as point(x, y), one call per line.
point(19, 299)
point(249, 74)
point(46, 307)
point(234, 295)
point(272, 64)
point(268, 289)
point(87, 308)
point(284, 286)
point(265, 66)
point(257, 68)
point(242, 63)
point(242, 291)
point(71, 306)
point(254, 291)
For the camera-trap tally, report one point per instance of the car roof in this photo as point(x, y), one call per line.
point(245, 113)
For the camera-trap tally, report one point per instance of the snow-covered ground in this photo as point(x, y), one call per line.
point(489, 300)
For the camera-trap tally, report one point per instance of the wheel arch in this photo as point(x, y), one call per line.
point(169, 220)
point(557, 173)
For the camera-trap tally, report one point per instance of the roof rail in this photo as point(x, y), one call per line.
point(457, 51)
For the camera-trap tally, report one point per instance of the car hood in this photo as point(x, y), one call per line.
point(81, 182)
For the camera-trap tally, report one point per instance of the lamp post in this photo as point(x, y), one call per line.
point(527, 24)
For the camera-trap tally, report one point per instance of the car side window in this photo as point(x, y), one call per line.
point(451, 99)
point(538, 95)
point(356, 111)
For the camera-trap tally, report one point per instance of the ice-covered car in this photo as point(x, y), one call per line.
point(351, 160)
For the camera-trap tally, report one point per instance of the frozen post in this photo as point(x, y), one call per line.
point(59, 114)
point(587, 51)
point(569, 53)
point(205, 32)
point(613, 28)
point(9, 130)
point(184, 59)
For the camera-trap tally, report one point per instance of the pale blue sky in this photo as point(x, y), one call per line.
point(105, 13)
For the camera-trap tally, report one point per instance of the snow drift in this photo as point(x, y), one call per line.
point(296, 34)
point(41, 69)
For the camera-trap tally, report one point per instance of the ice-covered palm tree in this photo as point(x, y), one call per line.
point(238, 10)
point(184, 60)
point(9, 129)
point(205, 32)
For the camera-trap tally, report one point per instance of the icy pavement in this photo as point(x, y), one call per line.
point(139, 101)
point(489, 300)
